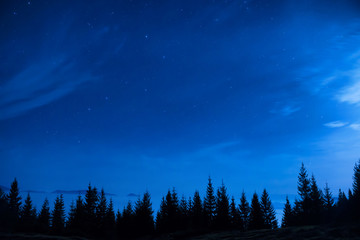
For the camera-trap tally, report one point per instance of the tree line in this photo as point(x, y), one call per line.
point(94, 216)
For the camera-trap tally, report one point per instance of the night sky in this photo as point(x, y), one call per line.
point(149, 95)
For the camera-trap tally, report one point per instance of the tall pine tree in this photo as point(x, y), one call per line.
point(244, 209)
point(268, 211)
point(58, 216)
point(256, 218)
point(144, 215)
point(222, 217)
point(44, 217)
point(210, 203)
point(287, 214)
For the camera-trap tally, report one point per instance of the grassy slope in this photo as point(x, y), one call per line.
point(294, 233)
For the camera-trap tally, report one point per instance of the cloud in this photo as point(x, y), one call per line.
point(286, 110)
point(351, 94)
point(335, 124)
point(38, 85)
point(355, 126)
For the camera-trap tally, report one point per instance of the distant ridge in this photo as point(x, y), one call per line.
point(5, 189)
point(81, 192)
point(133, 195)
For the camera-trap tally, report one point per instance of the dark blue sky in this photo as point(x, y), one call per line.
point(136, 95)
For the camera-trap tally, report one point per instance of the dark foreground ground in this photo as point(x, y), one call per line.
point(306, 232)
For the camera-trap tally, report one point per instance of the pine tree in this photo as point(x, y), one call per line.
point(44, 217)
point(58, 216)
point(101, 213)
point(328, 198)
point(5, 224)
point(90, 206)
point(287, 214)
point(317, 202)
point(184, 213)
point(110, 221)
point(222, 218)
point(126, 224)
point(144, 215)
point(244, 209)
point(14, 200)
point(268, 212)
point(234, 215)
point(256, 219)
point(356, 181)
point(355, 199)
point(209, 203)
point(197, 212)
point(168, 216)
point(302, 213)
point(28, 215)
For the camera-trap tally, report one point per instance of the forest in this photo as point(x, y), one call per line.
point(94, 216)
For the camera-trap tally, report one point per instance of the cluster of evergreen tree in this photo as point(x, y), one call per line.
point(93, 215)
point(215, 212)
point(315, 206)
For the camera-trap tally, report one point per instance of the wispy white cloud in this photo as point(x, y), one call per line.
point(351, 94)
point(286, 110)
point(355, 126)
point(37, 85)
point(335, 124)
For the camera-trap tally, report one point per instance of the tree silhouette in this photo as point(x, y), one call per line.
point(209, 203)
point(14, 203)
point(287, 214)
point(268, 212)
point(101, 213)
point(28, 216)
point(76, 219)
point(58, 216)
point(235, 219)
point(44, 217)
point(184, 213)
point(144, 215)
point(317, 202)
point(256, 219)
point(110, 221)
point(222, 218)
point(302, 209)
point(244, 209)
point(125, 222)
point(197, 212)
point(90, 207)
point(5, 224)
point(168, 216)
point(355, 200)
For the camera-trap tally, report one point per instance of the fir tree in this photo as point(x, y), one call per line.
point(316, 198)
point(28, 215)
point(256, 219)
point(14, 200)
point(44, 217)
point(268, 212)
point(101, 213)
point(90, 206)
point(184, 213)
point(328, 198)
point(302, 209)
point(110, 221)
point(234, 215)
point(356, 181)
point(244, 209)
point(58, 216)
point(126, 224)
point(222, 219)
point(287, 214)
point(209, 203)
point(144, 215)
point(197, 212)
